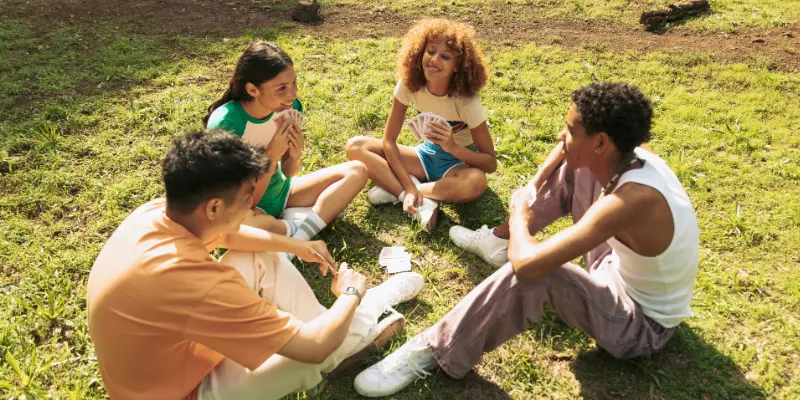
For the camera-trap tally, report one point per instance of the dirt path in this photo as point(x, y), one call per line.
point(227, 18)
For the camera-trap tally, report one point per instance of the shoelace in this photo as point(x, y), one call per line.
point(407, 360)
point(479, 235)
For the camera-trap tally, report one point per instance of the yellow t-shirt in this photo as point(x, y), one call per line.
point(463, 113)
point(163, 313)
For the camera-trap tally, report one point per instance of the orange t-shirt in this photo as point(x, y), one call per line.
point(163, 313)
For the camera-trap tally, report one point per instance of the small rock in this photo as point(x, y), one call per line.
point(759, 40)
point(789, 35)
point(498, 74)
point(306, 11)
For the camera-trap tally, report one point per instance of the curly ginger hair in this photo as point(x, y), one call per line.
point(471, 71)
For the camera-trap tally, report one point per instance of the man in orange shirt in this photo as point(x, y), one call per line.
point(170, 322)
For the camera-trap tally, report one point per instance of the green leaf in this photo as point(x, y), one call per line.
point(23, 377)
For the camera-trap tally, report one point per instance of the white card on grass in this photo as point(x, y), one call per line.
point(399, 265)
point(393, 252)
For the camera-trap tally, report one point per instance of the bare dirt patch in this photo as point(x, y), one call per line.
point(778, 48)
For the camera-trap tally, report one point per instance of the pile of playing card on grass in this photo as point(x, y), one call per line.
point(395, 259)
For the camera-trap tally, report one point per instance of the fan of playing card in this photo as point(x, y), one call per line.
point(296, 117)
point(419, 124)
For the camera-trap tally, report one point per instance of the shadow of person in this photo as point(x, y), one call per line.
point(689, 367)
point(350, 243)
point(489, 209)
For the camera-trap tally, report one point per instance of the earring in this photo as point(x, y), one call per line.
point(597, 150)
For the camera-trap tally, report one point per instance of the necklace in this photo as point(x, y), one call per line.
point(616, 176)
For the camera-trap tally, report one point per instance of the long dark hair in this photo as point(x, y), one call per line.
point(261, 62)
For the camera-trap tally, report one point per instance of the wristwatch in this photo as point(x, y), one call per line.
point(353, 291)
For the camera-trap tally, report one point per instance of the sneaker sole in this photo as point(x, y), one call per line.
point(388, 328)
point(431, 225)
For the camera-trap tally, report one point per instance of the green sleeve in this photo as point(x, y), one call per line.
point(226, 118)
point(297, 105)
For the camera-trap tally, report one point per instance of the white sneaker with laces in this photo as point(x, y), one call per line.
point(399, 288)
point(410, 362)
point(427, 214)
point(378, 195)
point(482, 242)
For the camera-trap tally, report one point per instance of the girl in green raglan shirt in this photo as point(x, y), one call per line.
point(264, 85)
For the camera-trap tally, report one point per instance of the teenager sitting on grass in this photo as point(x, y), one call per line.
point(264, 85)
point(633, 222)
point(441, 70)
point(170, 322)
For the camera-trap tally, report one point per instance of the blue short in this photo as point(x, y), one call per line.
point(436, 162)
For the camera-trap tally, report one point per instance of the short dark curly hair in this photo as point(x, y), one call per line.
point(618, 109)
point(205, 164)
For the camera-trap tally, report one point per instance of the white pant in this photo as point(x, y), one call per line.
point(278, 281)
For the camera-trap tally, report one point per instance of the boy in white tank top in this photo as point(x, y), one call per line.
point(633, 223)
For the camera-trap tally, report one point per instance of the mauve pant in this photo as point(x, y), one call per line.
point(593, 301)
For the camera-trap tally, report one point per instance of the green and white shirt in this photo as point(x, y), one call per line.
point(234, 119)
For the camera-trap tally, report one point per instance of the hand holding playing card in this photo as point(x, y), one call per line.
point(420, 124)
point(440, 133)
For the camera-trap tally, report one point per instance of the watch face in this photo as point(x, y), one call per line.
point(350, 290)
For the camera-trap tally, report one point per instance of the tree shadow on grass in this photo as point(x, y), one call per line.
point(688, 368)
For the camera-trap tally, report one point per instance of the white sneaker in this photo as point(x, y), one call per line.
point(400, 288)
point(482, 242)
point(411, 361)
point(427, 214)
point(378, 195)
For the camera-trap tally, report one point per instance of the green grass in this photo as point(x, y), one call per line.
point(86, 114)
point(727, 15)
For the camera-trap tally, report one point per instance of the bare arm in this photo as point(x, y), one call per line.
point(486, 157)
point(249, 238)
point(291, 166)
point(604, 219)
point(390, 134)
point(320, 337)
point(292, 161)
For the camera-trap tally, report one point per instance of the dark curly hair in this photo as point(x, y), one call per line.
point(471, 74)
point(618, 109)
point(205, 164)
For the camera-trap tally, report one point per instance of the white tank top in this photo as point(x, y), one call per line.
point(661, 285)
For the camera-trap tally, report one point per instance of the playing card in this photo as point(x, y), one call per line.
point(295, 116)
point(396, 265)
point(393, 252)
point(412, 125)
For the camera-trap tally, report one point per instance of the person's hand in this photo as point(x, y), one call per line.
point(346, 278)
point(296, 142)
point(280, 142)
point(440, 133)
point(412, 200)
point(521, 202)
point(317, 251)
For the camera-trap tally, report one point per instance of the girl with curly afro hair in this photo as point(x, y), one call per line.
point(440, 71)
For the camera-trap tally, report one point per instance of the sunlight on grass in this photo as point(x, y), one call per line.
point(81, 146)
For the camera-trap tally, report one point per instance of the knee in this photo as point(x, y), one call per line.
point(356, 146)
point(474, 185)
point(358, 171)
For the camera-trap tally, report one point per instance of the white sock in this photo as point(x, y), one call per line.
point(291, 227)
point(309, 227)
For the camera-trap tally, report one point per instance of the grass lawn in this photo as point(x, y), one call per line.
point(87, 109)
